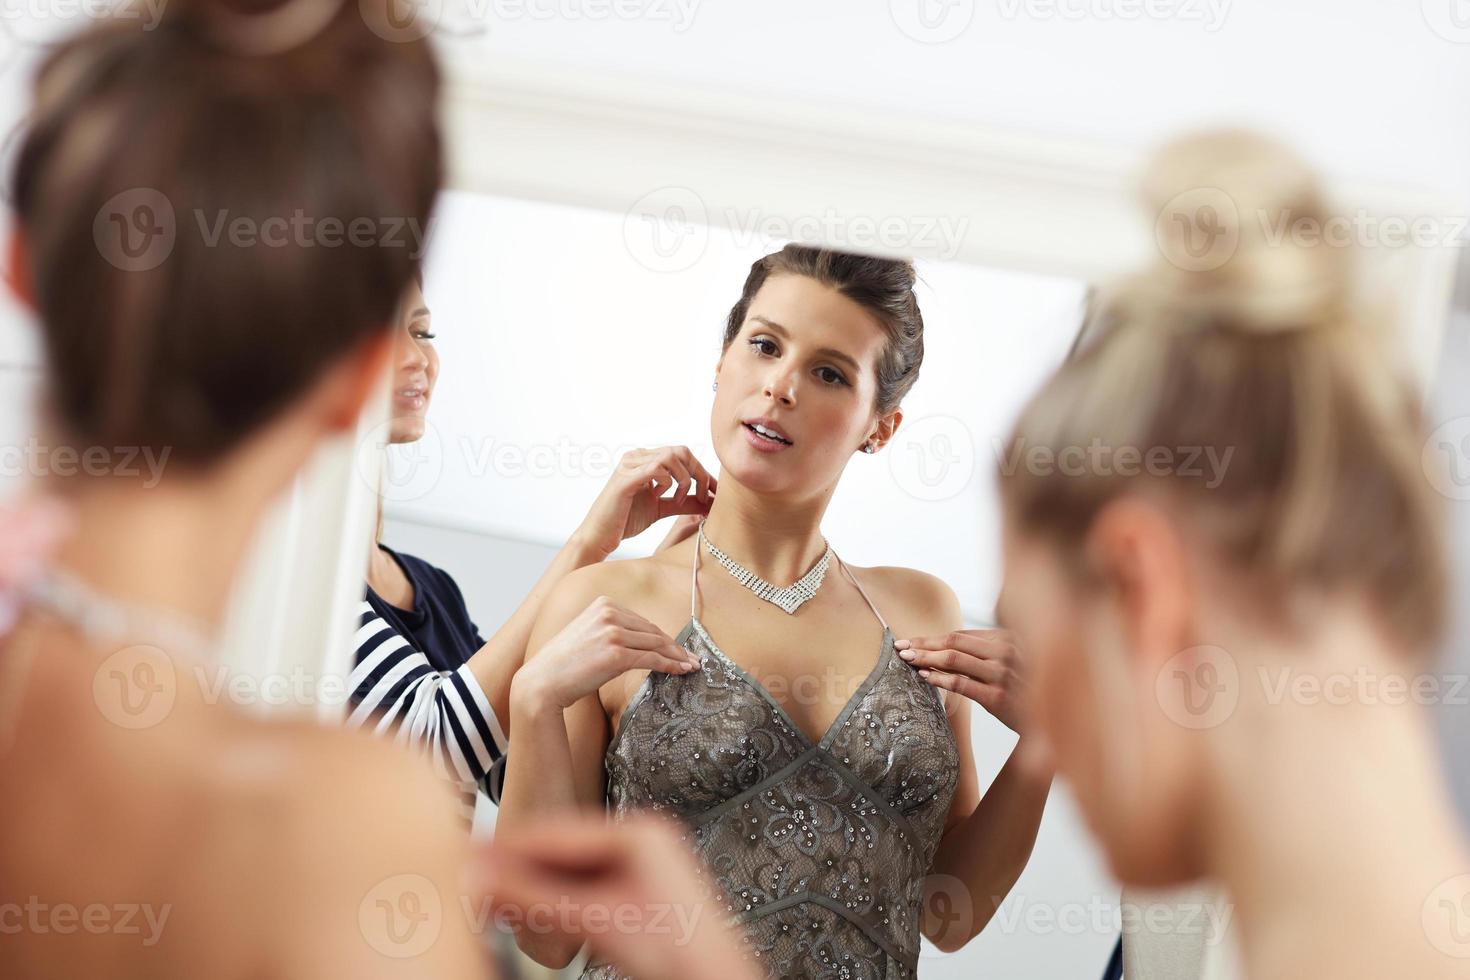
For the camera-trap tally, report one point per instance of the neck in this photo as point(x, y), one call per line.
point(172, 547)
point(1331, 821)
point(777, 540)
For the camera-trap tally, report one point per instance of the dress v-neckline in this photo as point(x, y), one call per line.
point(885, 652)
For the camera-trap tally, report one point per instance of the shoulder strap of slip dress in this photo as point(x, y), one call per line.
point(862, 591)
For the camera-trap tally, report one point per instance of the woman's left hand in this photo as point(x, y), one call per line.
point(634, 500)
point(985, 666)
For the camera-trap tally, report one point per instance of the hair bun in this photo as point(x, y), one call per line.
point(1240, 225)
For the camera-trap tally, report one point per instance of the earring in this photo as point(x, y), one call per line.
point(715, 386)
point(869, 448)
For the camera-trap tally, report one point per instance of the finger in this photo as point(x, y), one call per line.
point(986, 696)
point(980, 643)
point(705, 478)
point(957, 662)
point(678, 471)
point(638, 642)
point(663, 662)
point(684, 504)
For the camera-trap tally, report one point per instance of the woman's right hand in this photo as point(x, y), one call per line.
point(602, 643)
point(632, 890)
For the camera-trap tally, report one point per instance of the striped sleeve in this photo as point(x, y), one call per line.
point(397, 692)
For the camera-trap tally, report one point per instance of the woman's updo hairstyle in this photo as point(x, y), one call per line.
point(215, 207)
point(883, 287)
point(1243, 344)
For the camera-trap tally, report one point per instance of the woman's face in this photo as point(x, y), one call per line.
point(1135, 770)
point(797, 389)
point(415, 368)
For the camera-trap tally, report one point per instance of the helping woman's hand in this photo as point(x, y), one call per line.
point(602, 643)
point(634, 500)
point(985, 666)
point(631, 889)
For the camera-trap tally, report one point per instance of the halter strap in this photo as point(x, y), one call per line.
point(694, 580)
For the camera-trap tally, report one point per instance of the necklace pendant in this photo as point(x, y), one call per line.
point(788, 598)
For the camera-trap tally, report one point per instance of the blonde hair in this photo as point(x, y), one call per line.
point(1244, 340)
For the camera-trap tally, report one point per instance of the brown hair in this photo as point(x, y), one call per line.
point(182, 130)
point(884, 287)
point(1257, 350)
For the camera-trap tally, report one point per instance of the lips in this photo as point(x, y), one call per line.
point(767, 431)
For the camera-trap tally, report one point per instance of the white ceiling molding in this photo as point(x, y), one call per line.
point(1026, 202)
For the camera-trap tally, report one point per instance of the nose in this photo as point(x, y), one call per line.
point(411, 355)
point(781, 386)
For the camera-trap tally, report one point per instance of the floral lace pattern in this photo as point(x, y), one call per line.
point(818, 851)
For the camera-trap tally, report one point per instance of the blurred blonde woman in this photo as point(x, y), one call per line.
point(1181, 619)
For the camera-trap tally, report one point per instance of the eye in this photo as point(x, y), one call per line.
point(424, 335)
point(832, 376)
point(764, 346)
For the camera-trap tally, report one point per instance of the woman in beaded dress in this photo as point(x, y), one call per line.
point(825, 779)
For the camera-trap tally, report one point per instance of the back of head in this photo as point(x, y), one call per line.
point(215, 208)
point(1238, 378)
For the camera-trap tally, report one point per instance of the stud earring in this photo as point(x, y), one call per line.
point(869, 448)
point(715, 386)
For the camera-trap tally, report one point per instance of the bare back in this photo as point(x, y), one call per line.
point(168, 836)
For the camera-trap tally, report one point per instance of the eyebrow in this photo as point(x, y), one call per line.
point(421, 311)
point(830, 352)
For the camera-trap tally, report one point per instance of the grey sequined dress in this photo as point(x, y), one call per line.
point(819, 851)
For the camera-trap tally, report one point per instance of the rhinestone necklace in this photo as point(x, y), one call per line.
point(789, 598)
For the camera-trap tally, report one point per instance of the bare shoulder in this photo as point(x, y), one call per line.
point(655, 587)
point(915, 603)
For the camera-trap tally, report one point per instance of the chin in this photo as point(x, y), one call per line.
point(406, 429)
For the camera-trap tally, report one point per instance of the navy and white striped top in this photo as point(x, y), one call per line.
point(411, 681)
